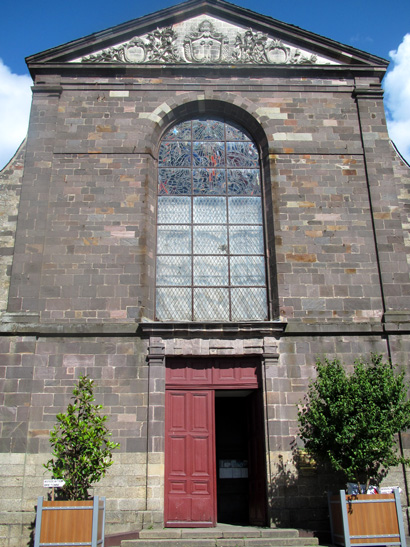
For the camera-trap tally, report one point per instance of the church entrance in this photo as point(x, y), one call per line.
point(214, 444)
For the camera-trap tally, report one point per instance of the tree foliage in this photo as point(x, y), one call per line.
point(82, 451)
point(351, 420)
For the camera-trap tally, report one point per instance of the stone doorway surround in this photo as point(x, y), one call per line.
point(201, 340)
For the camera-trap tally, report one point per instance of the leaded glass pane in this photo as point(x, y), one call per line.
point(245, 210)
point(175, 154)
point(248, 303)
point(174, 240)
point(236, 133)
point(209, 181)
point(210, 270)
point(174, 210)
point(174, 181)
point(174, 270)
point(209, 210)
point(208, 154)
point(211, 304)
point(248, 270)
point(210, 240)
point(244, 182)
point(207, 130)
point(180, 132)
point(174, 304)
point(241, 154)
point(246, 240)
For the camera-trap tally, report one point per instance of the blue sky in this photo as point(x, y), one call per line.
point(28, 27)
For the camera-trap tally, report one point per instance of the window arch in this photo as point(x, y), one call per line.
point(210, 243)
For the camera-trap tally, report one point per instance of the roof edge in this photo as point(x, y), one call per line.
point(190, 8)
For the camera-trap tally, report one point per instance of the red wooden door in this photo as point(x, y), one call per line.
point(190, 458)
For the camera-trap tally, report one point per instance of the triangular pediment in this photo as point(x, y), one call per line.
point(205, 32)
point(205, 39)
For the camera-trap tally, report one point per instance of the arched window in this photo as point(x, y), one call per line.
point(210, 242)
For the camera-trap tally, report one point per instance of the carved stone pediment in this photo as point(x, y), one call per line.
point(205, 40)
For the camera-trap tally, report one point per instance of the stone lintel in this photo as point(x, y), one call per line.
point(200, 330)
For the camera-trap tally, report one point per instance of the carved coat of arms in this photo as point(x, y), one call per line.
point(206, 45)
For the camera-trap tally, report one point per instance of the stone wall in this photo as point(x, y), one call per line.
point(86, 229)
point(10, 185)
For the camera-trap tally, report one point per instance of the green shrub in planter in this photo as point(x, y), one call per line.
point(82, 451)
point(351, 421)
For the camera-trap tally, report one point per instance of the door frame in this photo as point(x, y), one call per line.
point(193, 375)
point(259, 340)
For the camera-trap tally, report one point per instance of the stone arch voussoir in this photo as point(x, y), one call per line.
point(230, 105)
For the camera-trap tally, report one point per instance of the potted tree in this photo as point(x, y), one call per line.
point(82, 453)
point(350, 422)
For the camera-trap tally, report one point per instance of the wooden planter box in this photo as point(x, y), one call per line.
point(70, 523)
point(366, 519)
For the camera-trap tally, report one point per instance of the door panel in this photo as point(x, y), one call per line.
point(216, 373)
point(190, 458)
point(257, 462)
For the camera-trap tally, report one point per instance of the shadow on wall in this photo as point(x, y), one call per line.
point(297, 494)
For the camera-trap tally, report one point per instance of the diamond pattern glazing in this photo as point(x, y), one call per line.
point(173, 270)
point(210, 240)
point(209, 210)
point(211, 305)
point(174, 304)
point(247, 271)
point(245, 210)
point(249, 304)
point(210, 271)
point(174, 240)
point(174, 210)
point(246, 240)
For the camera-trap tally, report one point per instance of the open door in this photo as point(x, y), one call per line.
point(241, 479)
point(195, 438)
point(190, 463)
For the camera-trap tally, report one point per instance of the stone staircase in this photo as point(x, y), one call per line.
point(223, 535)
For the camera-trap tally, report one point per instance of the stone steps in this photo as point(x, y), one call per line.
point(221, 536)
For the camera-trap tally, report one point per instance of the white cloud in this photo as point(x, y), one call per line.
point(15, 100)
point(397, 97)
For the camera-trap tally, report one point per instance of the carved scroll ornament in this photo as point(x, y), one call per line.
point(159, 47)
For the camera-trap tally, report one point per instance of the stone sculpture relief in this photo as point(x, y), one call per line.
point(204, 46)
point(159, 47)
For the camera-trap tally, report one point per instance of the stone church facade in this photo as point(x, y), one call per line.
point(207, 202)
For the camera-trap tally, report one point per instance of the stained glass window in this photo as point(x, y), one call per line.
point(210, 242)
